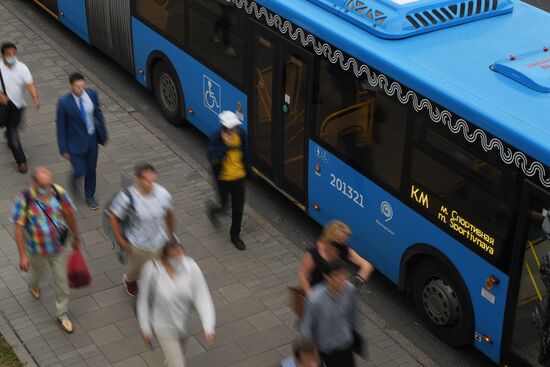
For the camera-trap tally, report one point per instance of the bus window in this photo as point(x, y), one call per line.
point(166, 15)
point(469, 196)
point(216, 34)
point(363, 125)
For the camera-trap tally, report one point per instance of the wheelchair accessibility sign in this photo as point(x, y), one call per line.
point(212, 93)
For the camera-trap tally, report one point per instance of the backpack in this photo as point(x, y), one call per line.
point(121, 255)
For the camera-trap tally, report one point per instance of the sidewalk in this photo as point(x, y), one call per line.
point(255, 326)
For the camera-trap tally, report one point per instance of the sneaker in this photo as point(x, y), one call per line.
point(92, 203)
point(131, 287)
point(230, 51)
point(238, 243)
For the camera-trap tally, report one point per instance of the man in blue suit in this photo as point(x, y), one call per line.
point(80, 128)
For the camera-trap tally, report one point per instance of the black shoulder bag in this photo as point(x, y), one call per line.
point(3, 108)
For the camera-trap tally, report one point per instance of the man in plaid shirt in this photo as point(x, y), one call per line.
point(40, 214)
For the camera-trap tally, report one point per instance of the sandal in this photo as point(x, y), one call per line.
point(35, 292)
point(66, 325)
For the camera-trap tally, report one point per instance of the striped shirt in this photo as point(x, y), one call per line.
point(42, 237)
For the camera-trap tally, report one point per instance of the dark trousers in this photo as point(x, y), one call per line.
point(85, 165)
point(341, 358)
point(236, 190)
point(12, 133)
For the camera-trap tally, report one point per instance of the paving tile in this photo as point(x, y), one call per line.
point(264, 320)
point(135, 361)
point(266, 340)
point(123, 349)
point(235, 292)
point(106, 335)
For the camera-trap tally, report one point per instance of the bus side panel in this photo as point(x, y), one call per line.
point(205, 92)
point(72, 13)
point(383, 228)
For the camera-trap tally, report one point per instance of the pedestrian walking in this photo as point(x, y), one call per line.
point(15, 77)
point(41, 215)
point(304, 354)
point(80, 128)
point(329, 317)
point(146, 207)
point(228, 156)
point(331, 245)
point(170, 288)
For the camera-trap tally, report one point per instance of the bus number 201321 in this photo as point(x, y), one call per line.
point(347, 190)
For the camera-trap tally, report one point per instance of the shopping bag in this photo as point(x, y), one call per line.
point(77, 271)
point(298, 299)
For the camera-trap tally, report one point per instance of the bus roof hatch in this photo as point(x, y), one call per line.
point(395, 19)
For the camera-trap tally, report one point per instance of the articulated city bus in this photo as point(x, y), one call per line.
point(421, 123)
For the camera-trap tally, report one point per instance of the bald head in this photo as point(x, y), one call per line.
point(42, 177)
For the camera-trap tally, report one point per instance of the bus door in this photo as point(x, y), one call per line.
point(280, 109)
point(535, 243)
point(72, 13)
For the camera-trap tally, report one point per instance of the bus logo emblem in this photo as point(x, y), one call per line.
point(212, 93)
point(386, 210)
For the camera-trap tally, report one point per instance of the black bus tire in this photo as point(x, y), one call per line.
point(443, 302)
point(168, 94)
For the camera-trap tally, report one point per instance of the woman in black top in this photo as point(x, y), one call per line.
point(331, 245)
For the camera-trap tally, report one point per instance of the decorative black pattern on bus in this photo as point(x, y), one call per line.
point(531, 168)
point(451, 13)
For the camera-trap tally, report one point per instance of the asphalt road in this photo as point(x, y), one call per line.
point(380, 294)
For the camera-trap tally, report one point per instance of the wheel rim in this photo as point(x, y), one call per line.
point(440, 303)
point(168, 93)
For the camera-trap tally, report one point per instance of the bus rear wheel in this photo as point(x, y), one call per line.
point(168, 93)
point(443, 302)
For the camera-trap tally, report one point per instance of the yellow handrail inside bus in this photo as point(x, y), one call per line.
point(530, 244)
point(46, 9)
point(365, 126)
point(533, 281)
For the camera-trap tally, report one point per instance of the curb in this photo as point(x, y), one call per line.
point(374, 317)
point(18, 346)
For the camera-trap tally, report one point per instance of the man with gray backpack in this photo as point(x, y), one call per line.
point(141, 217)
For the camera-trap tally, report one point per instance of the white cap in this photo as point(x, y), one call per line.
point(229, 119)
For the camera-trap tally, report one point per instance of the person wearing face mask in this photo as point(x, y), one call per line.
point(169, 290)
point(80, 128)
point(15, 77)
point(41, 215)
point(147, 207)
point(331, 245)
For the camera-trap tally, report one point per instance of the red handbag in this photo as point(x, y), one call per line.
point(77, 271)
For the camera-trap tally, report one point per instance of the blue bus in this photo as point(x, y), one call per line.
point(421, 123)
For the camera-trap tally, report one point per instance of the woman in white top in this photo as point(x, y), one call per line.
point(169, 288)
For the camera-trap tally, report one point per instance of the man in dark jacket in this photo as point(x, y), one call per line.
point(228, 155)
point(80, 128)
